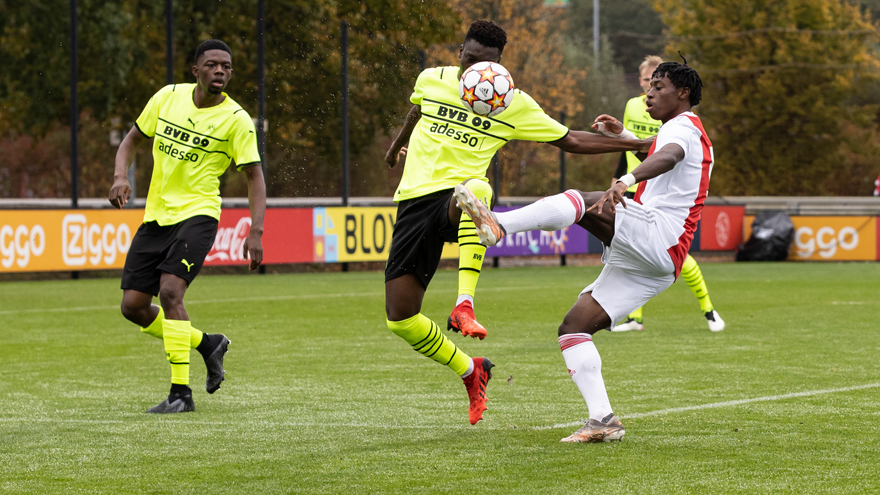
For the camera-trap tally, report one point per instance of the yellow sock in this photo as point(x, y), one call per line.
point(155, 328)
point(693, 276)
point(470, 251)
point(637, 315)
point(177, 339)
point(195, 337)
point(426, 338)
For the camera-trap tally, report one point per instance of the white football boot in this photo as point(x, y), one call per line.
point(628, 326)
point(716, 324)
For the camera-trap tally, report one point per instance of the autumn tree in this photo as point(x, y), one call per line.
point(122, 63)
point(783, 99)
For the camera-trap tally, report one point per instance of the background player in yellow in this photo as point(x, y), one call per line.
point(637, 120)
point(198, 131)
point(448, 146)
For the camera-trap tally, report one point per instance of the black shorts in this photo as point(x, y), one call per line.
point(417, 242)
point(629, 195)
point(179, 249)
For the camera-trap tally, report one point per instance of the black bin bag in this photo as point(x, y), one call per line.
point(772, 234)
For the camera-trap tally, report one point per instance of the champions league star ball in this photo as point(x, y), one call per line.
point(486, 88)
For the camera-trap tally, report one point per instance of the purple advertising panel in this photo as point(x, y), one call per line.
point(571, 240)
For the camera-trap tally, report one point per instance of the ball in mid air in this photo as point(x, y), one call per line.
point(486, 88)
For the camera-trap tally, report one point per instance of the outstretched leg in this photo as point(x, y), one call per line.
point(551, 213)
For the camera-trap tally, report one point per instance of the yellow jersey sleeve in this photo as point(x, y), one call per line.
point(245, 151)
point(422, 83)
point(148, 121)
point(530, 121)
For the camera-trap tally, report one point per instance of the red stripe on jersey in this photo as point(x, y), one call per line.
point(639, 190)
point(680, 251)
point(571, 340)
point(578, 203)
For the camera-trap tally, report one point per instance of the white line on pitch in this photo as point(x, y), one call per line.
point(722, 404)
point(249, 299)
point(457, 426)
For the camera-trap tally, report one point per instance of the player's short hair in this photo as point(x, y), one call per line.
point(650, 61)
point(487, 33)
point(682, 76)
point(211, 45)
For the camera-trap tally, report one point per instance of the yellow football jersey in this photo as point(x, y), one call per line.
point(191, 150)
point(450, 144)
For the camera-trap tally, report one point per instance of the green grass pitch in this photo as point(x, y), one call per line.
point(321, 398)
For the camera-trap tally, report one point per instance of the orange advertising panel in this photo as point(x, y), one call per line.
point(830, 238)
point(47, 240)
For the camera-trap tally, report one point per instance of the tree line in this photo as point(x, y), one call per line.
point(791, 97)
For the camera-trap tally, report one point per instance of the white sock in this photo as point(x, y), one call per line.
point(464, 297)
point(550, 213)
point(469, 370)
point(585, 368)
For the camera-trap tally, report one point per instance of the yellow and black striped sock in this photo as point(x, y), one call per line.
point(470, 251)
point(426, 338)
point(470, 257)
point(693, 276)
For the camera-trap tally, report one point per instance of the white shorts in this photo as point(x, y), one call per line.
point(637, 264)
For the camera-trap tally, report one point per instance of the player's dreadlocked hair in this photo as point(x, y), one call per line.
point(682, 76)
point(487, 33)
point(211, 45)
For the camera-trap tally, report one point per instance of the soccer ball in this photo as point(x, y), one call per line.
point(486, 88)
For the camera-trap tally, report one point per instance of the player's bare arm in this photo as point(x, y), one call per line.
point(659, 163)
point(606, 124)
point(120, 191)
point(397, 148)
point(588, 143)
point(253, 245)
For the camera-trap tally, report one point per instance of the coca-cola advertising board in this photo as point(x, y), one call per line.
point(287, 236)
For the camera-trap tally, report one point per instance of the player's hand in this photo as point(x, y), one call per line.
point(607, 125)
point(253, 249)
point(120, 192)
point(393, 159)
point(612, 197)
point(645, 145)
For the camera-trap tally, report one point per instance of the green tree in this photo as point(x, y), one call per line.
point(632, 28)
point(780, 80)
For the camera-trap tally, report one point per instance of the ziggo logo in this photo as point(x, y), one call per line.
point(81, 240)
point(17, 245)
point(826, 239)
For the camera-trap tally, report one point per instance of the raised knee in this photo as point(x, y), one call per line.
point(129, 311)
point(481, 189)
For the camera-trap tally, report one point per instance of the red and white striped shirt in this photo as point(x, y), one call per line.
point(678, 195)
